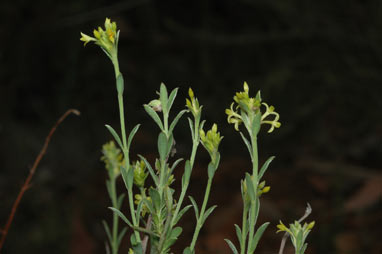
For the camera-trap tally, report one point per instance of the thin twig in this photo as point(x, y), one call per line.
point(26, 185)
point(286, 235)
point(146, 238)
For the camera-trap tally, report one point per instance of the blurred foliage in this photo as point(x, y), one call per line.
point(318, 61)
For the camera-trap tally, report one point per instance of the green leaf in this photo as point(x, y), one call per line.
point(265, 167)
point(181, 213)
point(170, 143)
point(120, 200)
point(232, 246)
point(115, 135)
point(256, 124)
point(191, 124)
point(155, 197)
point(150, 169)
point(175, 164)
point(250, 187)
point(211, 169)
point(131, 136)
point(108, 188)
point(120, 84)
point(176, 119)
point(238, 233)
point(246, 143)
point(188, 251)
point(154, 116)
point(133, 240)
point(176, 232)
point(171, 98)
point(122, 216)
point(187, 174)
point(208, 212)
point(257, 236)
point(121, 235)
point(125, 177)
point(130, 178)
point(149, 206)
point(163, 97)
point(107, 230)
point(162, 146)
point(196, 209)
point(139, 210)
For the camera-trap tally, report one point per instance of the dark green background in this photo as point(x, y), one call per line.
point(318, 62)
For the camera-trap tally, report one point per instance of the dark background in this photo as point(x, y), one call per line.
point(318, 62)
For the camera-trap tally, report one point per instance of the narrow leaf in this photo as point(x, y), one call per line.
point(121, 235)
point(176, 119)
point(153, 115)
point(155, 197)
point(150, 169)
point(171, 98)
point(122, 216)
point(265, 167)
point(120, 200)
point(256, 124)
point(238, 233)
point(175, 164)
point(131, 136)
point(246, 143)
point(162, 146)
point(207, 213)
point(257, 236)
point(232, 246)
point(181, 213)
point(187, 174)
point(196, 209)
point(163, 96)
point(250, 187)
point(107, 230)
point(191, 124)
point(115, 135)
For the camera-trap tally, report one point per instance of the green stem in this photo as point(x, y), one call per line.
point(252, 209)
point(125, 150)
point(195, 145)
point(114, 244)
point(244, 228)
point(201, 215)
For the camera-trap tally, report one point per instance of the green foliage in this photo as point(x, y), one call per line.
point(154, 211)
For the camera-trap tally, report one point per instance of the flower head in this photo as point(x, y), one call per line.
point(107, 39)
point(193, 104)
point(297, 234)
point(112, 157)
point(211, 141)
point(140, 173)
point(247, 109)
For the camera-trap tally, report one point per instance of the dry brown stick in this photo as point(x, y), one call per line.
point(286, 235)
point(25, 186)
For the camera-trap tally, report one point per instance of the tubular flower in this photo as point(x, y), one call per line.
point(107, 39)
point(270, 110)
point(233, 116)
point(211, 141)
point(193, 104)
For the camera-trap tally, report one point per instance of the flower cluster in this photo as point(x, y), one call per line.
point(297, 234)
point(248, 107)
point(211, 141)
point(140, 173)
point(107, 39)
point(193, 104)
point(112, 157)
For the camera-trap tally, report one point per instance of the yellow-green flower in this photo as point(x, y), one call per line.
point(211, 141)
point(297, 234)
point(193, 104)
point(107, 39)
point(270, 110)
point(112, 157)
point(139, 198)
point(140, 173)
point(233, 116)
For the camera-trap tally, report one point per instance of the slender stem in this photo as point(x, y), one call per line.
point(201, 215)
point(114, 243)
point(125, 150)
point(252, 209)
point(195, 145)
point(244, 228)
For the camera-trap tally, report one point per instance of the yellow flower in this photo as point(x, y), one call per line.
point(86, 38)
